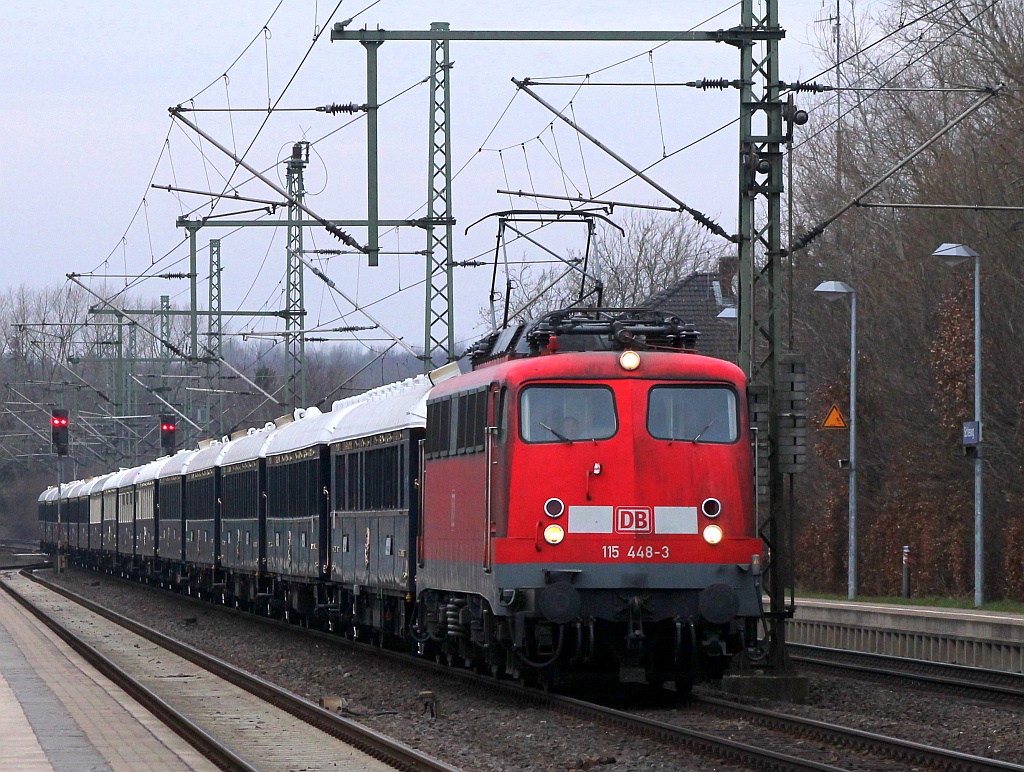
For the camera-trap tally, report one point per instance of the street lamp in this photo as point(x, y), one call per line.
point(833, 290)
point(952, 255)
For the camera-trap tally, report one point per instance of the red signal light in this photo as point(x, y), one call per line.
point(59, 431)
point(168, 433)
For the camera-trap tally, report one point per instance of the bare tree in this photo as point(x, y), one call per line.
point(915, 378)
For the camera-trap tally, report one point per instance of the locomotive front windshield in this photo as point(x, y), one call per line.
point(566, 413)
point(694, 413)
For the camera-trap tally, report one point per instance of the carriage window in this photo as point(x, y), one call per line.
point(566, 413)
point(695, 413)
point(456, 423)
point(499, 415)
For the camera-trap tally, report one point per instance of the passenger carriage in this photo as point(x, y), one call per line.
point(93, 489)
point(75, 512)
point(126, 533)
point(374, 506)
point(202, 516)
point(114, 520)
point(171, 518)
point(47, 514)
point(243, 475)
point(147, 517)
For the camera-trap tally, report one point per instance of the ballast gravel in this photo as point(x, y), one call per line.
point(469, 728)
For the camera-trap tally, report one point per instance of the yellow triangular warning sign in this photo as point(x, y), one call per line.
point(834, 419)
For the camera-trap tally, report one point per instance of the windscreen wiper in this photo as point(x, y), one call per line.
point(707, 426)
point(557, 433)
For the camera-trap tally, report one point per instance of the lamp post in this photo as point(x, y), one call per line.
point(952, 255)
point(833, 290)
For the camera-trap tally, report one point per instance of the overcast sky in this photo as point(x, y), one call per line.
point(85, 130)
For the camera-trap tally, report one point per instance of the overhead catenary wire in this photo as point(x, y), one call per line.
point(646, 51)
point(238, 58)
point(700, 217)
point(817, 229)
point(330, 226)
point(170, 346)
point(734, 121)
point(906, 66)
point(587, 76)
point(535, 193)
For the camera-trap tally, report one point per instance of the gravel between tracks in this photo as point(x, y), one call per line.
point(476, 731)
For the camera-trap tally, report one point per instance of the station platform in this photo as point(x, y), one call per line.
point(971, 637)
point(59, 713)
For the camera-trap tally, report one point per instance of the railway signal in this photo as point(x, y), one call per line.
point(168, 431)
point(59, 431)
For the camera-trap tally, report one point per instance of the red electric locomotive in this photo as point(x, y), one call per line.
point(588, 505)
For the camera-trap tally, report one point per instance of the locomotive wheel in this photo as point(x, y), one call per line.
point(683, 688)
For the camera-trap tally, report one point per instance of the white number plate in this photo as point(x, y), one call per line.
point(635, 552)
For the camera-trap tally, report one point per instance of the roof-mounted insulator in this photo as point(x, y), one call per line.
point(688, 336)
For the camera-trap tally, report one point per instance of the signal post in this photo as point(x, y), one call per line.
point(59, 431)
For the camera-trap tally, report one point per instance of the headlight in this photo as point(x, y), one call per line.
point(554, 534)
point(712, 534)
point(630, 360)
point(554, 507)
point(711, 507)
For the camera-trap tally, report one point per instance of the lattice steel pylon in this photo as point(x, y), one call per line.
point(439, 325)
point(130, 392)
point(214, 337)
point(295, 312)
point(760, 296)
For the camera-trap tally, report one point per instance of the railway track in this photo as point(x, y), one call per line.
point(715, 727)
point(959, 680)
point(16, 554)
point(235, 719)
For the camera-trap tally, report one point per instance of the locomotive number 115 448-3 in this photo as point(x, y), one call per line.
point(635, 552)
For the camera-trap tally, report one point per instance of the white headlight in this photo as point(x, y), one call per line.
point(712, 534)
point(554, 534)
point(630, 360)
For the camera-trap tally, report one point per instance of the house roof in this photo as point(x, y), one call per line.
point(698, 299)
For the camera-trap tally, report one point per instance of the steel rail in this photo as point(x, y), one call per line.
point(900, 750)
point(369, 741)
point(999, 685)
point(895, 749)
point(702, 742)
point(27, 566)
point(198, 738)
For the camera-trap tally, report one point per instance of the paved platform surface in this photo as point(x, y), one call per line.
point(266, 736)
point(57, 712)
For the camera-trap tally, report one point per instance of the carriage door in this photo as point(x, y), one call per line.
point(492, 410)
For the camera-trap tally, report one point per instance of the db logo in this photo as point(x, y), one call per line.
point(634, 520)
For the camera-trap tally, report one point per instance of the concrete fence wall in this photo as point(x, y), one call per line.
point(974, 639)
